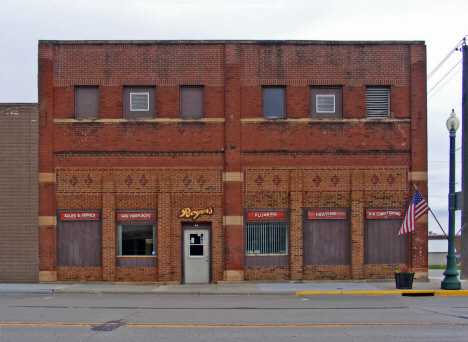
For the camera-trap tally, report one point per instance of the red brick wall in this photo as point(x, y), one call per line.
point(350, 162)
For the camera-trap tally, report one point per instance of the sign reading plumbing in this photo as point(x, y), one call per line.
point(266, 215)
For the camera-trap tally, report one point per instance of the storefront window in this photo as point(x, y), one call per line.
point(266, 238)
point(137, 239)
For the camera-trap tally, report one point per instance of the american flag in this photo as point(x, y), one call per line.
point(418, 207)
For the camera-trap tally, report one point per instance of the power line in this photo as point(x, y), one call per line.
point(445, 76)
point(446, 57)
point(443, 85)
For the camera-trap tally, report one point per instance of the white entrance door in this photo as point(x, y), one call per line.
point(196, 256)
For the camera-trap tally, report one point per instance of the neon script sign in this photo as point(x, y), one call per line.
point(194, 214)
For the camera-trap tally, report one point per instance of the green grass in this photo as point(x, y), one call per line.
point(438, 267)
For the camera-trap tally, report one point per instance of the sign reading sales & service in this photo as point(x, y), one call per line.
point(80, 216)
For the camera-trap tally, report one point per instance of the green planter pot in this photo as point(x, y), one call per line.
point(404, 280)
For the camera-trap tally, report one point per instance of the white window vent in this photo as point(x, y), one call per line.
point(378, 103)
point(325, 103)
point(139, 102)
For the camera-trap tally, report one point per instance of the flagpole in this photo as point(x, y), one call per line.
point(434, 217)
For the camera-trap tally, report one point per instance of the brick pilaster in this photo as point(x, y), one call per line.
point(164, 226)
point(296, 226)
point(357, 224)
point(108, 225)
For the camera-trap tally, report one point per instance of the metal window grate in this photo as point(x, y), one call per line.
point(266, 238)
point(378, 103)
point(139, 102)
point(325, 103)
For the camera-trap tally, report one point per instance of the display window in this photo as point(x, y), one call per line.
point(136, 236)
point(266, 235)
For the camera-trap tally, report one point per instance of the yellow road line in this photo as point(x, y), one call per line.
point(167, 325)
point(385, 293)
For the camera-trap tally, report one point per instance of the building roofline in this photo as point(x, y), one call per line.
point(265, 42)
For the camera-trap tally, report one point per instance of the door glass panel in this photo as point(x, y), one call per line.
point(196, 246)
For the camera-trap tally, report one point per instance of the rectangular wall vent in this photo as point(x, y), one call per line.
point(325, 103)
point(378, 103)
point(139, 102)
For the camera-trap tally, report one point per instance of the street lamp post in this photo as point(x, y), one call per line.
point(451, 281)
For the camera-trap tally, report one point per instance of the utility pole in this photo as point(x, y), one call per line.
point(464, 233)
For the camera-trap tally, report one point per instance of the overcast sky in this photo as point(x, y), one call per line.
point(441, 24)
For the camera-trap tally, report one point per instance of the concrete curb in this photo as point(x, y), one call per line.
point(26, 292)
point(176, 293)
point(385, 293)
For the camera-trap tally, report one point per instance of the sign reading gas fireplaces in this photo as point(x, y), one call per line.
point(373, 214)
point(266, 215)
point(194, 214)
point(326, 214)
point(80, 216)
point(141, 216)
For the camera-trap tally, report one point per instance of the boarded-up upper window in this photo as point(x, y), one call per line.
point(192, 102)
point(378, 102)
point(86, 102)
point(326, 102)
point(138, 102)
point(274, 102)
point(382, 245)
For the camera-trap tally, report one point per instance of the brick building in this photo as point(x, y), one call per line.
point(204, 161)
point(19, 242)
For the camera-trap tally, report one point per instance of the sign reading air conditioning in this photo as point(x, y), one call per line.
point(266, 215)
point(373, 214)
point(140, 216)
point(194, 214)
point(80, 216)
point(326, 214)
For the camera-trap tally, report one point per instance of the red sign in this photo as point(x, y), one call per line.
point(142, 216)
point(326, 214)
point(266, 215)
point(373, 214)
point(80, 216)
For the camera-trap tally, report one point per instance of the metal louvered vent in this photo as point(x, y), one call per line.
point(378, 103)
point(139, 102)
point(325, 103)
point(266, 238)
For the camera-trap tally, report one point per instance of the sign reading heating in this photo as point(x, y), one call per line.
point(372, 214)
point(141, 216)
point(266, 215)
point(326, 214)
point(80, 216)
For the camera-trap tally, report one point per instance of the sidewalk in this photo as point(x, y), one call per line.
point(431, 288)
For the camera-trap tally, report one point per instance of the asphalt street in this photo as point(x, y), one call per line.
point(231, 318)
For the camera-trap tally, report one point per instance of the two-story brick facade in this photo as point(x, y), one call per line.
point(204, 161)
